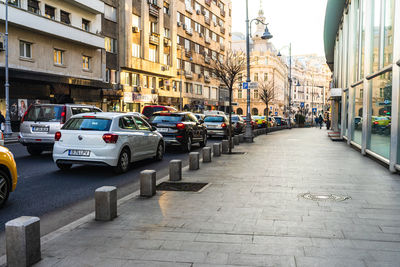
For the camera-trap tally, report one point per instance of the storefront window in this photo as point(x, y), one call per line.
point(381, 114)
point(346, 119)
point(376, 34)
point(363, 21)
point(358, 114)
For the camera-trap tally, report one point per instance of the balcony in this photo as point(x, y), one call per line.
point(208, 2)
point(207, 59)
point(46, 26)
point(207, 20)
point(222, 30)
point(188, 53)
point(189, 31)
point(222, 12)
point(207, 79)
point(188, 74)
point(222, 47)
point(154, 10)
point(154, 39)
point(189, 9)
point(207, 40)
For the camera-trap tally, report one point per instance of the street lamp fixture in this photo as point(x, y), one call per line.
point(266, 36)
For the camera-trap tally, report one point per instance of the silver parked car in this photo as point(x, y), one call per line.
point(217, 125)
point(41, 121)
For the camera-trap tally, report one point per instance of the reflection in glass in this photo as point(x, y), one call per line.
point(362, 41)
point(376, 34)
point(358, 114)
point(381, 114)
point(388, 33)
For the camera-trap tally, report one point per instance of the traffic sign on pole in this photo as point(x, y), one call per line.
point(245, 85)
point(253, 85)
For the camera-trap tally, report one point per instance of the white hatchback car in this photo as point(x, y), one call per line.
point(110, 139)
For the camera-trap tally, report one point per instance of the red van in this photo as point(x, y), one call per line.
point(149, 110)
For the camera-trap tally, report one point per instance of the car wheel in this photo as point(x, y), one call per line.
point(5, 188)
point(64, 166)
point(203, 143)
point(160, 152)
point(123, 162)
point(34, 151)
point(187, 146)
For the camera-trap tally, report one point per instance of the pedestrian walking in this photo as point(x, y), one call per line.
point(2, 121)
point(316, 121)
point(320, 121)
point(328, 122)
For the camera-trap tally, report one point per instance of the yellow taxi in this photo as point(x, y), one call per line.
point(261, 121)
point(380, 121)
point(8, 174)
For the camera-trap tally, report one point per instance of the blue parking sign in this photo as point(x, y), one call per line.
point(245, 85)
point(302, 104)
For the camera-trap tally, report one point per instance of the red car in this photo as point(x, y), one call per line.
point(149, 110)
point(254, 124)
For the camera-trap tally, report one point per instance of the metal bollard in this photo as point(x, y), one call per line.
point(194, 158)
point(105, 203)
point(232, 143)
point(175, 170)
point(207, 154)
point(236, 140)
point(225, 146)
point(217, 148)
point(147, 183)
point(23, 241)
point(241, 138)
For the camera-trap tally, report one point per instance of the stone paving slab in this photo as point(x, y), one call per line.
point(252, 215)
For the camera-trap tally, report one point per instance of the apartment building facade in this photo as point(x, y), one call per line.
point(203, 36)
point(55, 53)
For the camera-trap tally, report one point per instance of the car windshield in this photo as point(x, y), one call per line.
point(87, 124)
point(44, 113)
point(79, 110)
point(166, 118)
point(235, 118)
point(214, 119)
point(278, 119)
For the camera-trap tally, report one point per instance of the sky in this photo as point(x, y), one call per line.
point(300, 22)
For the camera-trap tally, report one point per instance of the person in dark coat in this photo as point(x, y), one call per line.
point(320, 121)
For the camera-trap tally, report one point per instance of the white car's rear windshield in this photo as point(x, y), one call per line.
point(79, 110)
point(214, 119)
point(87, 124)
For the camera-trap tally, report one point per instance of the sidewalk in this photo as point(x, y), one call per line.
point(252, 215)
point(11, 139)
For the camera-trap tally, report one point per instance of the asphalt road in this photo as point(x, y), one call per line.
point(60, 197)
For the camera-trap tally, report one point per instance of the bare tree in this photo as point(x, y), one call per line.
point(267, 94)
point(227, 69)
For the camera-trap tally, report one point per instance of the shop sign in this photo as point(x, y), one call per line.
point(147, 98)
point(336, 92)
point(128, 97)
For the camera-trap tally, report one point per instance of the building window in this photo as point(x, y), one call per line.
point(110, 45)
point(58, 57)
point(187, 45)
point(240, 94)
point(135, 79)
point(85, 25)
point(197, 48)
point(166, 8)
point(145, 81)
point(240, 77)
point(265, 77)
point(255, 94)
point(85, 62)
point(153, 53)
point(136, 50)
point(25, 49)
point(110, 13)
point(64, 17)
point(189, 88)
point(126, 78)
point(14, 2)
point(33, 6)
point(107, 78)
point(167, 33)
point(135, 21)
point(49, 12)
point(153, 27)
point(114, 76)
point(256, 77)
point(166, 59)
point(198, 89)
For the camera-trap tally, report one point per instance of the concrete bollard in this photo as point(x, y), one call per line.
point(206, 154)
point(147, 183)
point(241, 138)
point(255, 133)
point(236, 140)
point(232, 144)
point(217, 149)
point(194, 161)
point(225, 146)
point(105, 203)
point(175, 170)
point(23, 241)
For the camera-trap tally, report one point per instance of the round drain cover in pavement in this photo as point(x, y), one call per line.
point(324, 197)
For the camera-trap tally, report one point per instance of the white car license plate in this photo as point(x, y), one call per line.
point(163, 130)
point(40, 129)
point(82, 153)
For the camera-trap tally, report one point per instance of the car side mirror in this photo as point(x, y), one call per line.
point(201, 121)
point(153, 128)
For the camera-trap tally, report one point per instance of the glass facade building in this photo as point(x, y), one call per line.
point(362, 47)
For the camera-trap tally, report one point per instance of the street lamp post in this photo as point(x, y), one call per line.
point(7, 130)
point(248, 136)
